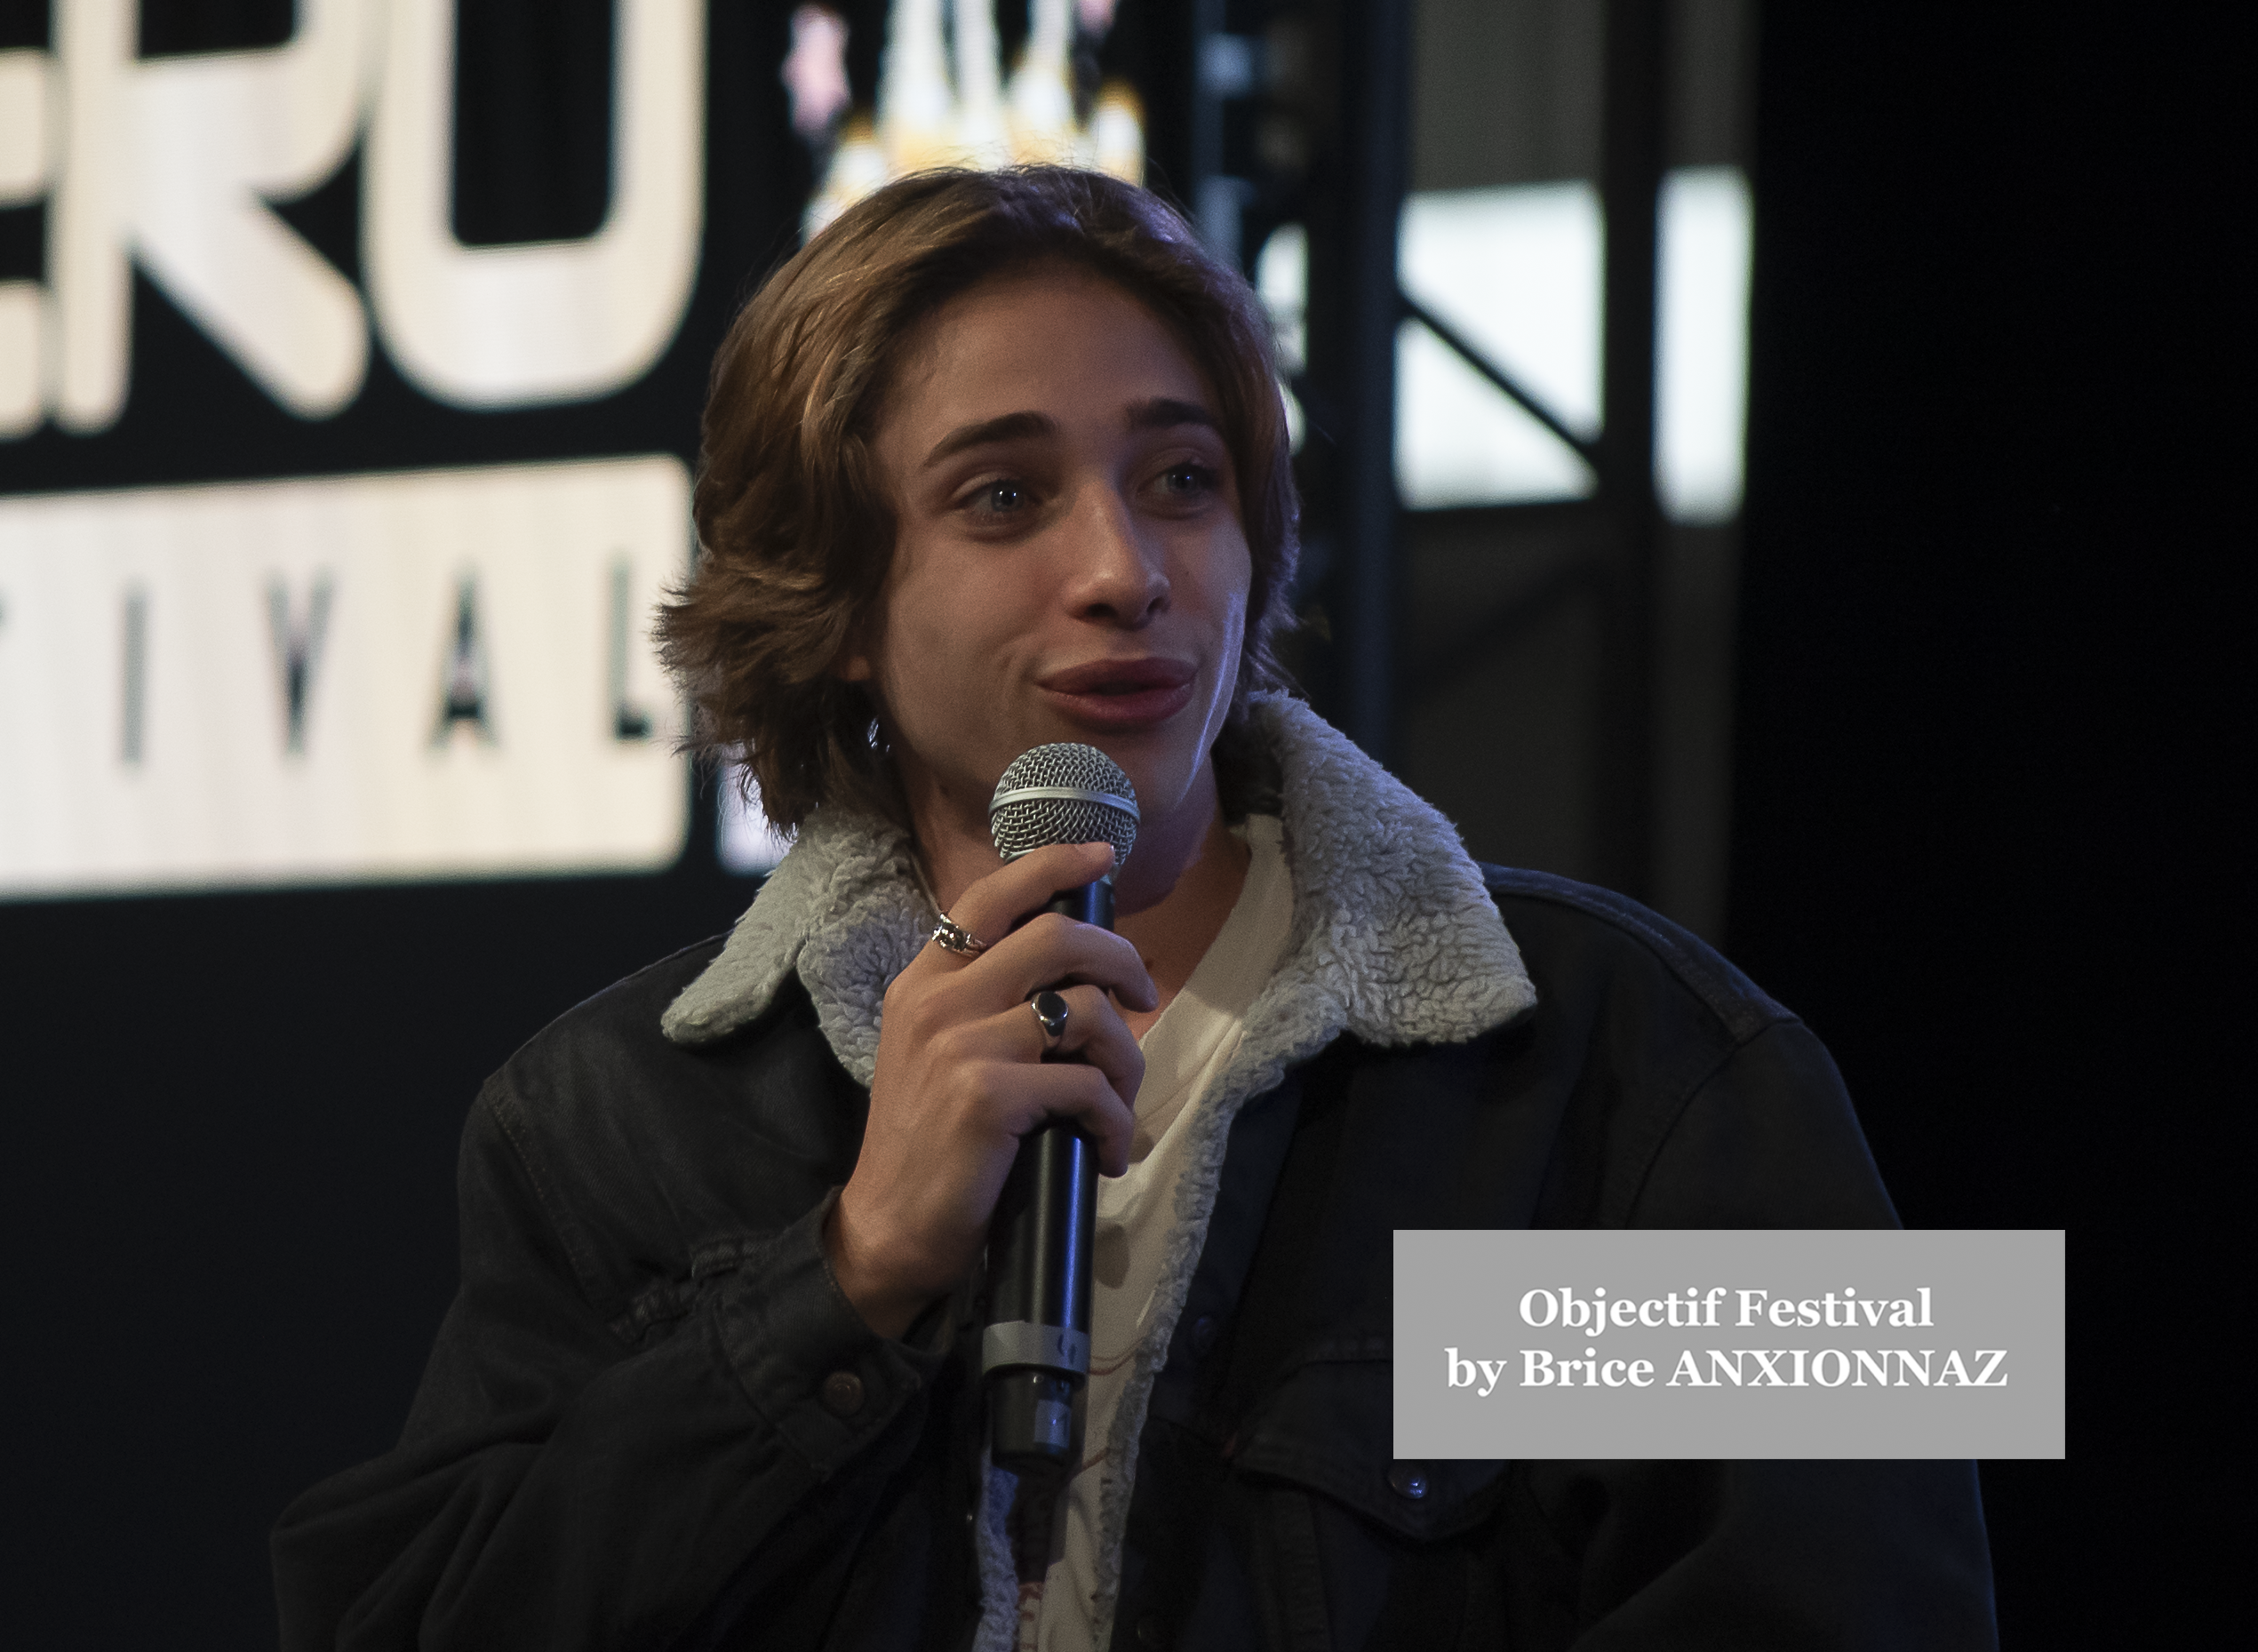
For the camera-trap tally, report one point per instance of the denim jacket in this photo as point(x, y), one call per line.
point(652, 1419)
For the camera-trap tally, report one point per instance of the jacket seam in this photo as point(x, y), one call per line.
point(1717, 992)
point(1677, 1116)
point(552, 1208)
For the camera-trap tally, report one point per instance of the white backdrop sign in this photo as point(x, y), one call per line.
point(417, 675)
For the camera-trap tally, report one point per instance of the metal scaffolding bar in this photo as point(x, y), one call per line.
point(1360, 381)
point(1631, 171)
point(1468, 352)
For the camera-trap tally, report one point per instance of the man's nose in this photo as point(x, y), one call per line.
point(1120, 572)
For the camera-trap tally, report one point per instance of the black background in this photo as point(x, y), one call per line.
point(1977, 688)
point(1982, 756)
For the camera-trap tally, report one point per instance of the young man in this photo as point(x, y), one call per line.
point(998, 460)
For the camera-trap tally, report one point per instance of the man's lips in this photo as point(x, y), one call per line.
point(1123, 693)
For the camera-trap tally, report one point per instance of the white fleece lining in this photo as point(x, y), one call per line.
point(1394, 940)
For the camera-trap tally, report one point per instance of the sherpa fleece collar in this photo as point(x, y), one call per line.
point(1394, 939)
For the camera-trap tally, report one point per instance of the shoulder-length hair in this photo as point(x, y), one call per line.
point(796, 526)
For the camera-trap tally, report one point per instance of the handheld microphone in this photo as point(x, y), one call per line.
point(1034, 1354)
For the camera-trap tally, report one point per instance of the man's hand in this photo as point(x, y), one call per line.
point(962, 1077)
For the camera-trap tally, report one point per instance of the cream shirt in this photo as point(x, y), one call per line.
point(1185, 1051)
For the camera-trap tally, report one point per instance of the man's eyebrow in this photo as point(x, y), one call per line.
point(1160, 412)
point(1009, 428)
point(1163, 412)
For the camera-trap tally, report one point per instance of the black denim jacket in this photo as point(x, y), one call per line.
point(652, 1420)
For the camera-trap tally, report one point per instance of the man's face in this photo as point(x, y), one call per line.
point(1069, 562)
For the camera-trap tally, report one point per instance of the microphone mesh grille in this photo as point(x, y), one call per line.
point(1030, 823)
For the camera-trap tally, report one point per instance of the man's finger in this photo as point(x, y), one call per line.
point(1068, 1089)
point(1095, 1035)
point(1048, 950)
point(990, 907)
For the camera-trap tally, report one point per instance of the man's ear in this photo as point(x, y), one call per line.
point(857, 656)
point(864, 641)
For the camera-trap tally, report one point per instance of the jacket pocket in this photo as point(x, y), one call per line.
point(1351, 1547)
point(1330, 1427)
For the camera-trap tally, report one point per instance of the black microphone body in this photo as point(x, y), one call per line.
point(1036, 1349)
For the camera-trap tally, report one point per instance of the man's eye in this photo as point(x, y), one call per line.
point(1188, 478)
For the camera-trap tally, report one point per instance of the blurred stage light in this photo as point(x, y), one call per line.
point(1518, 272)
point(944, 100)
point(1700, 387)
point(1282, 278)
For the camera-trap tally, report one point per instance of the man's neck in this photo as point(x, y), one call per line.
point(1174, 933)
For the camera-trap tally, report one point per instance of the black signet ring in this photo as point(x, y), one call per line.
point(1050, 1009)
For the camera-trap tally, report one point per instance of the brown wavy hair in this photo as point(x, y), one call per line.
point(795, 527)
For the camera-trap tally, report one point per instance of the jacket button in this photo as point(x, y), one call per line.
point(842, 1393)
point(1408, 1481)
point(1203, 1335)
